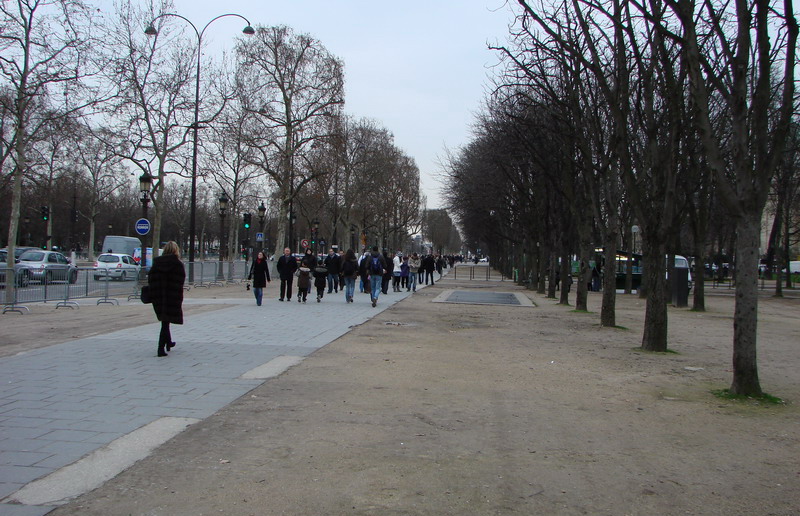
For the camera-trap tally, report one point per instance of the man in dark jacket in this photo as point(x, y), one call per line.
point(333, 263)
point(376, 268)
point(429, 265)
point(286, 266)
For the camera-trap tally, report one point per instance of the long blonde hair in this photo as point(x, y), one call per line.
point(171, 247)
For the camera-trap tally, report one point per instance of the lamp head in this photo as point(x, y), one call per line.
point(249, 30)
point(150, 30)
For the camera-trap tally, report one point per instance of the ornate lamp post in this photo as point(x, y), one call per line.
point(223, 249)
point(262, 212)
point(151, 31)
point(353, 237)
point(145, 185)
point(292, 221)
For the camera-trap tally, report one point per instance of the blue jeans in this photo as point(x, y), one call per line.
point(375, 282)
point(259, 293)
point(349, 287)
point(412, 281)
point(333, 282)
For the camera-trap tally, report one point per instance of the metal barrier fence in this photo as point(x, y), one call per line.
point(104, 284)
point(484, 272)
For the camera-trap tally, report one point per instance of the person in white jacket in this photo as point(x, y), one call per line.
point(398, 261)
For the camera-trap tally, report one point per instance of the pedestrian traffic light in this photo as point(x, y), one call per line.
point(45, 212)
point(247, 219)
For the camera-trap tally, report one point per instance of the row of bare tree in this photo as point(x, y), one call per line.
point(670, 114)
point(89, 101)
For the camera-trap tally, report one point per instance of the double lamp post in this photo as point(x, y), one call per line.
point(151, 31)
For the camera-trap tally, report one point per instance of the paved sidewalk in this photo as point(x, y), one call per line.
point(60, 403)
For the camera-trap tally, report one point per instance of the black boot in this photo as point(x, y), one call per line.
point(161, 351)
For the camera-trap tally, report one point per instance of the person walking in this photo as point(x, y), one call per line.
point(429, 265)
point(404, 274)
point(414, 265)
point(286, 266)
point(376, 266)
point(387, 273)
point(309, 261)
point(349, 273)
point(333, 264)
point(165, 280)
point(363, 271)
point(259, 273)
point(303, 282)
point(320, 276)
point(439, 265)
point(397, 262)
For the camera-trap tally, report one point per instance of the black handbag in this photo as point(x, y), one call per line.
point(145, 294)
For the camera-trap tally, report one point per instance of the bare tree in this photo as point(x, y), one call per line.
point(291, 84)
point(152, 109)
point(729, 50)
point(44, 50)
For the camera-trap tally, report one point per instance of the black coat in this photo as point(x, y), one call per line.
point(286, 266)
point(333, 263)
point(259, 272)
point(166, 278)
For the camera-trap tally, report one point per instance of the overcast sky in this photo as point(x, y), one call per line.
point(419, 68)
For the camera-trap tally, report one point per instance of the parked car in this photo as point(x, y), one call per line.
point(48, 266)
point(20, 271)
point(116, 266)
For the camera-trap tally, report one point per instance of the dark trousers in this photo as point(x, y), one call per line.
point(165, 337)
point(286, 288)
point(428, 274)
point(385, 284)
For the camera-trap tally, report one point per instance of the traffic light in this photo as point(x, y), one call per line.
point(45, 212)
point(247, 219)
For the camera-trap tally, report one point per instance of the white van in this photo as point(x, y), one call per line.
point(121, 244)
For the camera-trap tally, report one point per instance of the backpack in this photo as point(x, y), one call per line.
point(376, 266)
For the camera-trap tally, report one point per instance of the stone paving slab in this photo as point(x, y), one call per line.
point(63, 402)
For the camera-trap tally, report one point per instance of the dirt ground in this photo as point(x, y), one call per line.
point(436, 408)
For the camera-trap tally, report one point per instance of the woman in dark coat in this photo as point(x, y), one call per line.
point(259, 273)
point(166, 279)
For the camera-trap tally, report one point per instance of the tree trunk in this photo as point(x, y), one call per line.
point(608, 316)
point(584, 277)
point(655, 319)
point(542, 286)
point(554, 275)
point(699, 297)
point(745, 319)
point(566, 278)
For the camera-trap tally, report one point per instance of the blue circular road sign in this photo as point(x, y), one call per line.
point(142, 226)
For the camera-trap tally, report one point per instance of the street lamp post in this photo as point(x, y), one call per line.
point(145, 185)
point(151, 31)
point(223, 206)
point(314, 230)
point(262, 212)
point(352, 236)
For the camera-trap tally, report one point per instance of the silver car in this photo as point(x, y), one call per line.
point(48, 266)
point(115, 266)
point(21, 272)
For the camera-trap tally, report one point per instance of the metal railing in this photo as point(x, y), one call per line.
point(483, 272)
point(104, 284)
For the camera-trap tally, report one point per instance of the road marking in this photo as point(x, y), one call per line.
point(272, 368)
point(101, 465)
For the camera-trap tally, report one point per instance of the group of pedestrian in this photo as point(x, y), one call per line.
point(335, 272)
